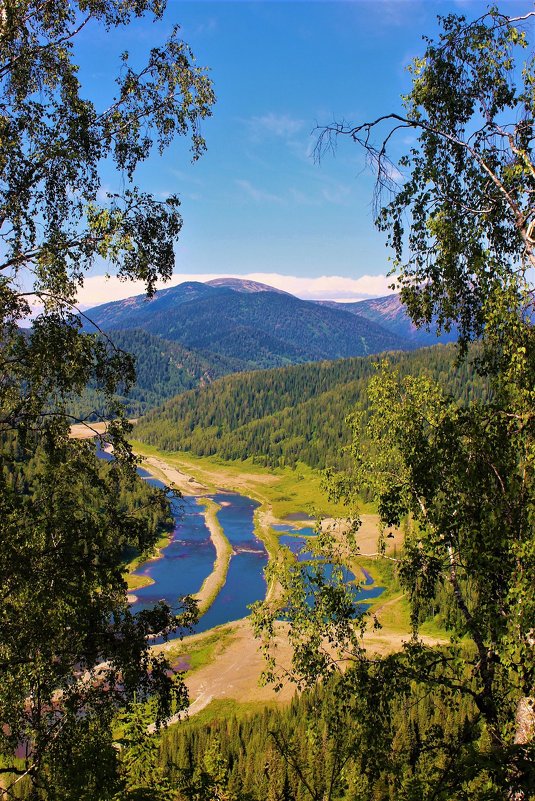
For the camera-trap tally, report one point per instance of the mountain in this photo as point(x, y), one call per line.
point(258, 327)
point(242, 285)
point(137, 312)
point(163, 370)
point(390, 313)
point(190, 334)
point(292, 414)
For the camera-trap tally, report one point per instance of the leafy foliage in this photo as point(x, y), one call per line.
point(461, 224)
point(71, 653)
point(339, 741)
point(462, 475)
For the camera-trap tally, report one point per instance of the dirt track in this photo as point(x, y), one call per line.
point(236, 670)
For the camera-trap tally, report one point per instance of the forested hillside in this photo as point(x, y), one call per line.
point(261, 328)
point(283, 416)
point(163, 369)
point(390, 313)
point(316, 749)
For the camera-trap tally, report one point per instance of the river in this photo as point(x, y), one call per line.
point(188, 559)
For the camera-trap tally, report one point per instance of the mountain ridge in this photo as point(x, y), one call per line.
point(389, 312)
point(257, 324)
point(244, 285)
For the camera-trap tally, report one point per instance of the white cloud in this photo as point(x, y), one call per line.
point(281, 125)
point(98, 289)
point(103, 194)
point(326, 287)
point(258, 195)
point(207, 27)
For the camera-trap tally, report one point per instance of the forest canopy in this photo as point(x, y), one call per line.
point(71, 653)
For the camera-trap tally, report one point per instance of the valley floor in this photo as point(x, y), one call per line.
point(231, 665)
point(225, 663)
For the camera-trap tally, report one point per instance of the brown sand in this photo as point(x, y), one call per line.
point(213, 583)
point(87, 430)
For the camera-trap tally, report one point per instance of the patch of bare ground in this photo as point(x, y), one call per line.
point(213, 583)
point(87, 430)
point(236, 669)
point(174, 477)
point(207, 477)
point(234, 672)
point(367, 535)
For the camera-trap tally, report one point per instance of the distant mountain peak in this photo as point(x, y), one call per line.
point(244, 285)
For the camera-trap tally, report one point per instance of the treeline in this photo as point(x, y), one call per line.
point(335, 742)
point(163, 369)
point(282, 416)
point(24, 461)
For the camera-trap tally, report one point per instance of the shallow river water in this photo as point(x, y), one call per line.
point(189, 559)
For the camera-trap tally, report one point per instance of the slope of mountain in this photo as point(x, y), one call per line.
point(163, 369)
point(136, 312)
point(242, 285)
point(260, 328)
point(286, 415)
point(390, 313)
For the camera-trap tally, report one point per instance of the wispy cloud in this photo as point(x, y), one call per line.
point(328, 191)
point(337, 194)
point(271, 124)
point(103, 194)
point(393, 13)
point(186, 177)
point(100, 289)
point(327, 287)
point(208, 26)
point(258, 195)
point(300, 198)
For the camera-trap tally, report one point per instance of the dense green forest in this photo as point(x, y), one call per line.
point(145, 509)
point(332, 743)
point(282, 416)
point(163, 369)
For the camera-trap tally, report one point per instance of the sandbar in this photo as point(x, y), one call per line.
point(223, 550)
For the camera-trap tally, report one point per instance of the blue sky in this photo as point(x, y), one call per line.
point(257, 204)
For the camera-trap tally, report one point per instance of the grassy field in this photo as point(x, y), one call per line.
point(135, 582)
point(224, 709)
point(199, 650)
